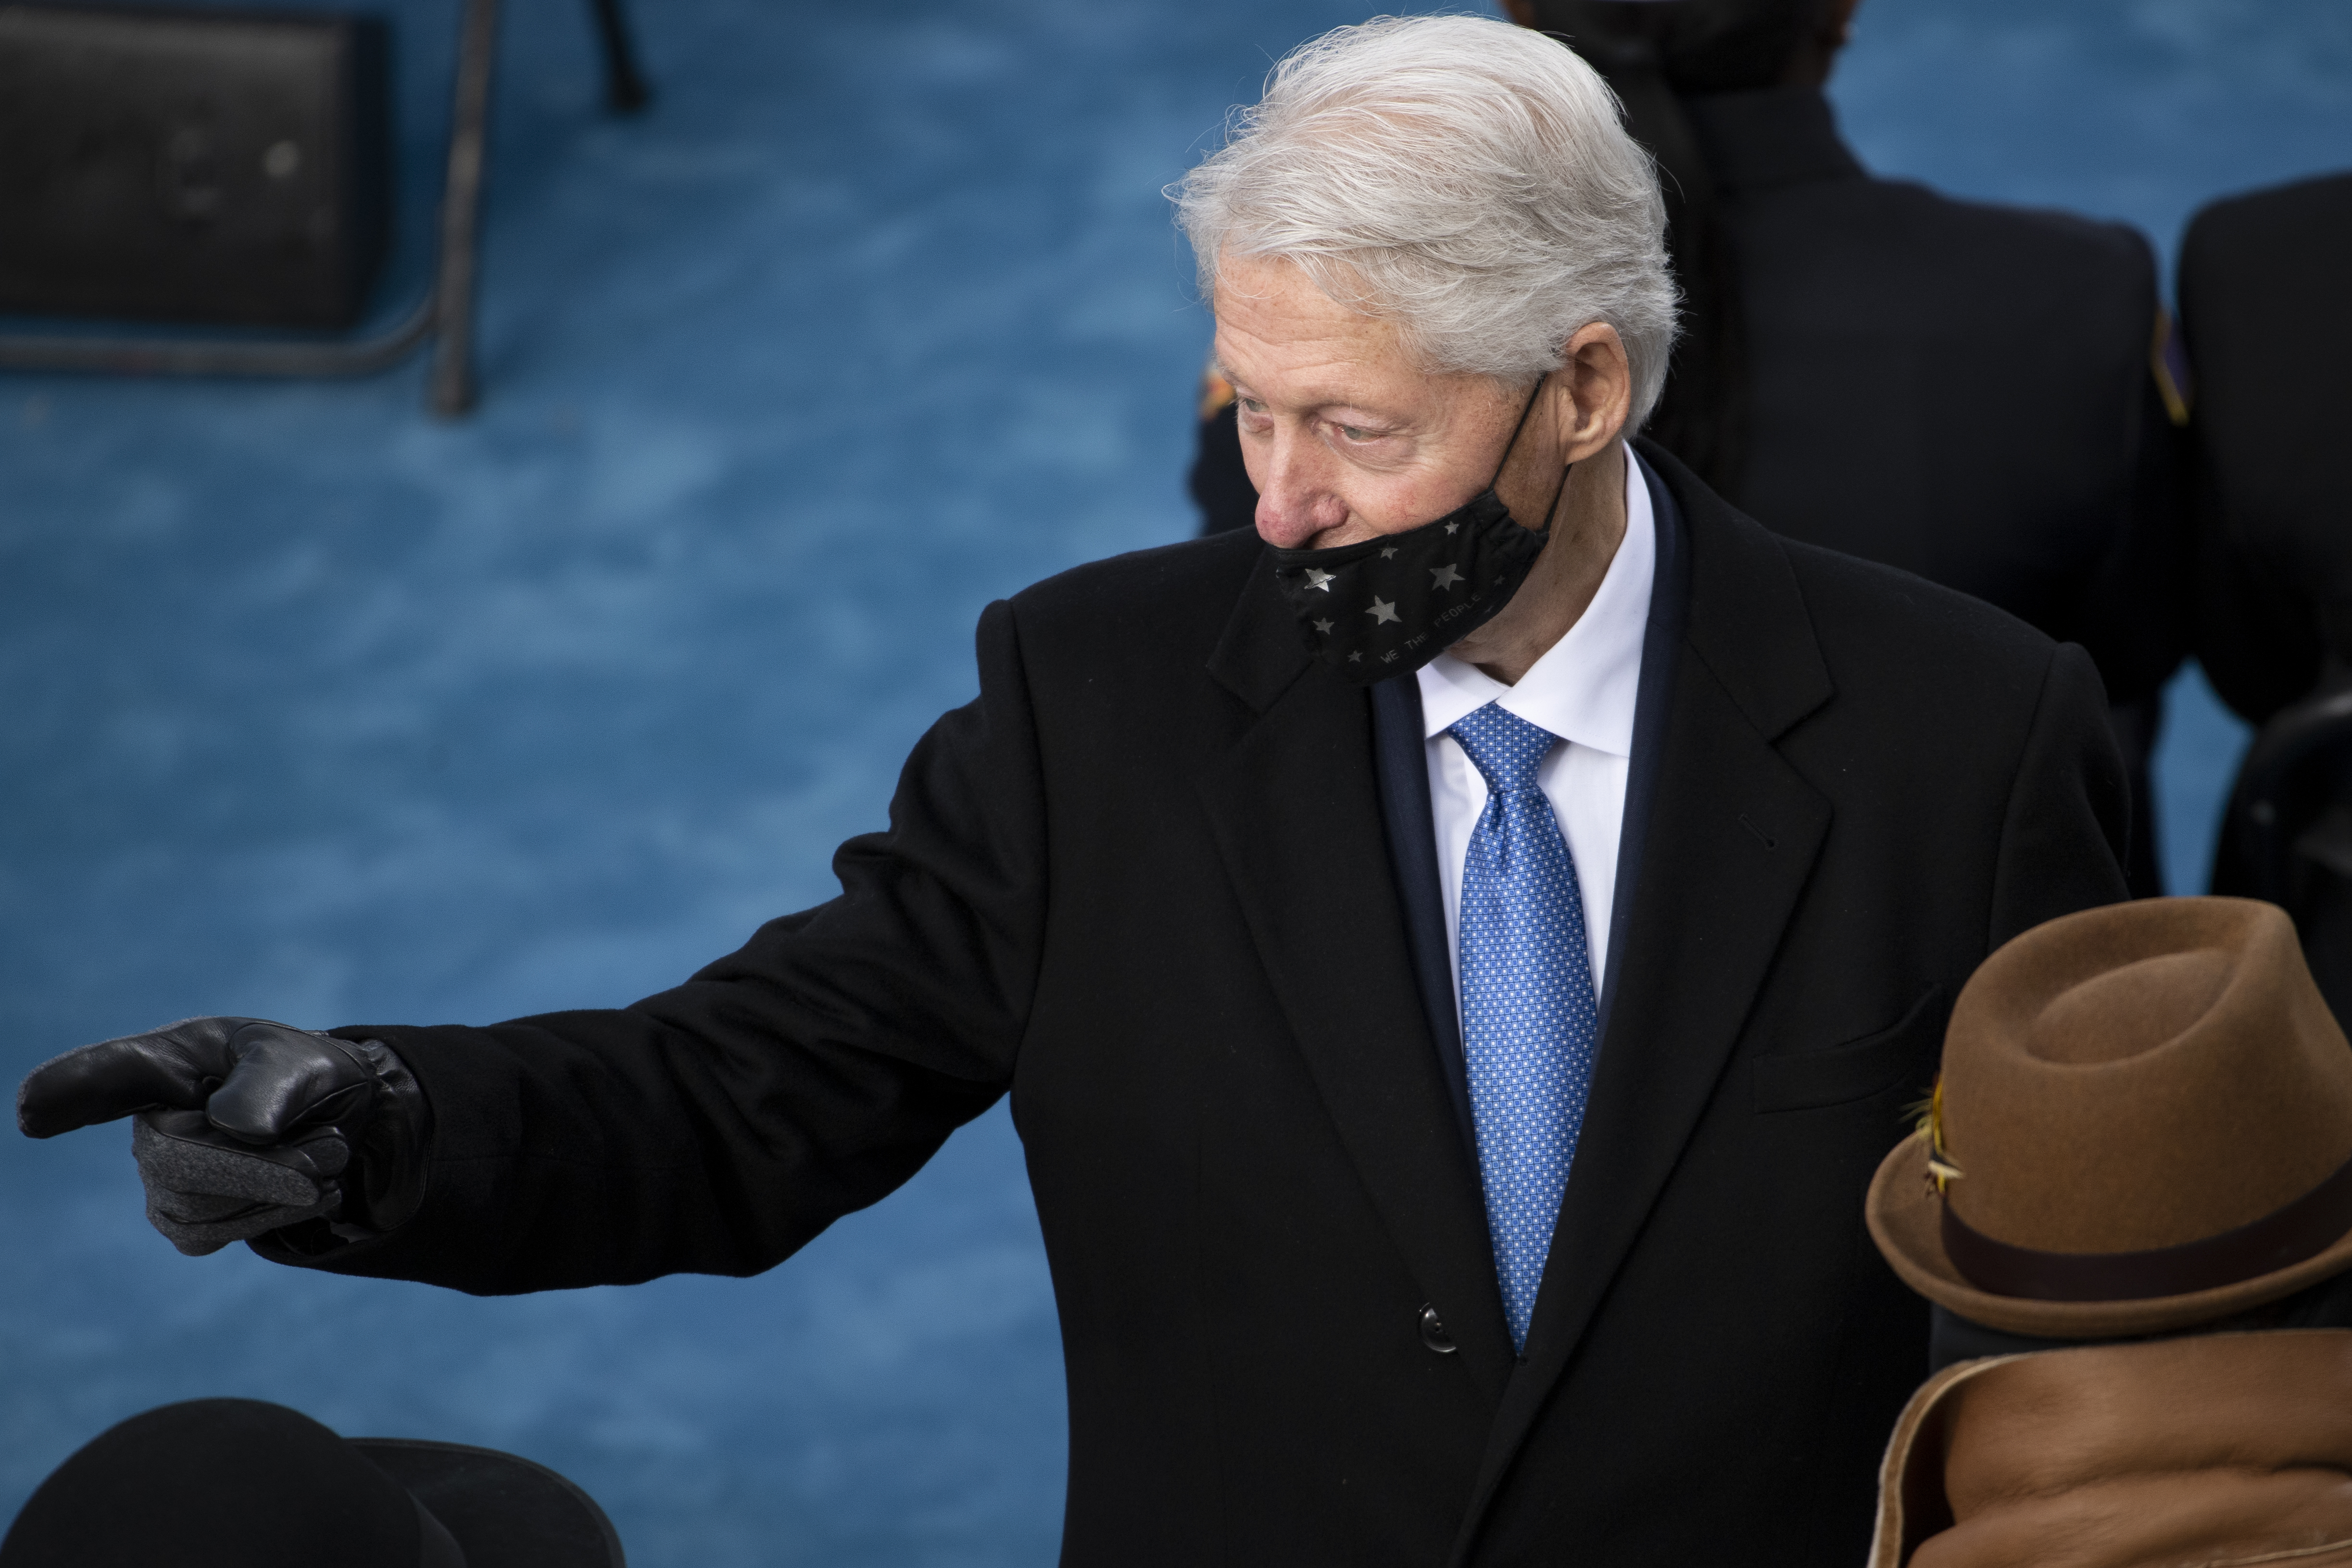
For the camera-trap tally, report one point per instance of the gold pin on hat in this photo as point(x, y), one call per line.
point(1941, 1171)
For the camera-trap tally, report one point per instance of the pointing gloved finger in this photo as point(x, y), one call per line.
point(286, 1078)
point(206, 1189)
point(174, 1066)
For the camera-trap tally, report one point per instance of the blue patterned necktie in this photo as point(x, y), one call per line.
point(1529, 1024)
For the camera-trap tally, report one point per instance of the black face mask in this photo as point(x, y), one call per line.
point(1387, 606)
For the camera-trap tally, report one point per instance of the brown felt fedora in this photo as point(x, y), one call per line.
point(2144, 1123)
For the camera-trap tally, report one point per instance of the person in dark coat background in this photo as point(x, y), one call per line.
point(2269, 332)
point(1962, 390)
point(2267, 319)
point(1295, 1012)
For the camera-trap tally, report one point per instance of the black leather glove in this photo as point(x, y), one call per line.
point(246, 1127)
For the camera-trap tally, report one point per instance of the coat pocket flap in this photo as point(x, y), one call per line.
point(1859, 1069)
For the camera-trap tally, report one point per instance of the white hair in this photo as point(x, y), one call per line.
point(1464, 178)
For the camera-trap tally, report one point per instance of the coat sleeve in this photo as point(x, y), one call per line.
point(2134, 616)
point(2131, 611)
point(2069, 815)
point(717, 1127)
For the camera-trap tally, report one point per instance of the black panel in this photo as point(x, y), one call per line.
point(206, 166)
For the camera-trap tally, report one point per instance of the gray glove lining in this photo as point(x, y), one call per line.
point(204, 1190)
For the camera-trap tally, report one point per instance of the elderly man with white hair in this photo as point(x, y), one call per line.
point(1455, 957)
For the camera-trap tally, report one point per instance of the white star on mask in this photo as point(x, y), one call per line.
point(1384, 609)
point(1444, 577)
point(1323, 627)
point(1321, 579)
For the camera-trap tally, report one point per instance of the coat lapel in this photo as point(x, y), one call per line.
point(1732, 834)
point(1296, 813)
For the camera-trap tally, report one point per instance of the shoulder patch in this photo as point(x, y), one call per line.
point(2167, 361)
point(1216, 392)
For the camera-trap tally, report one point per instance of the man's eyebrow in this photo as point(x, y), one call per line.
point(1386, 422)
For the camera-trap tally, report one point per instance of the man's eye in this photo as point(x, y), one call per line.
point(1251, 405)
point(1353, 433)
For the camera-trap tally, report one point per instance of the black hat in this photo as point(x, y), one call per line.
point(235, 1484)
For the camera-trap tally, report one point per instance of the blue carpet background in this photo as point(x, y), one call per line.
point(314, 709)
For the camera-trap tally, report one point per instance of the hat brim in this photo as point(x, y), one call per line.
point(504, 1510)
point(1908, 1495)
point(1906, 1219)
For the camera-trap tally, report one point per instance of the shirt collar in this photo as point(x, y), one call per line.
point(1583, 687)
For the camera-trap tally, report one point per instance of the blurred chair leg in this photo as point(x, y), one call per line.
point(624, 86)
point(461, 205)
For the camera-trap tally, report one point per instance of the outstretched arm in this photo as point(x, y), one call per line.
point(717, 1127)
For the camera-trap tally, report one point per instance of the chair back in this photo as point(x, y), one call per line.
point(2287, 835)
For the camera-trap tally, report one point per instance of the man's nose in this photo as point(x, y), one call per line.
point(1294, 500)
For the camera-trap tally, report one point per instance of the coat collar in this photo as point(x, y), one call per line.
point(1746, 620)
point(1770, 137)
point(1260, 657)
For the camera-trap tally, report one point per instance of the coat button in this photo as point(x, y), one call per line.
point(1432, 1331)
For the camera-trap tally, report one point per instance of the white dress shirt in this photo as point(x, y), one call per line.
point(1582, 690)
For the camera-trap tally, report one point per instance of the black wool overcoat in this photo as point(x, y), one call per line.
point(1144, 883)
point(2264, 305)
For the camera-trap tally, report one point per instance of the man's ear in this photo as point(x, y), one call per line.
point(1596, 391)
